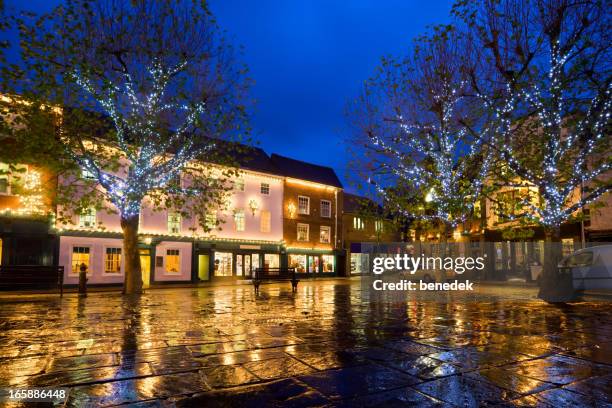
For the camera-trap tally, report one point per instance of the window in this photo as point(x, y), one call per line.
point(313, 264)
point(298, 262)
point(80, 256)
point(324, 235)
point(567, 246)
point(223, 263)
point(173, 261)
point(112, 260)
point(265, 225)
point(239, 185)
point(271, 261)
point(87, 175)
point(4, 185)
point(302, 232)
point(581, 259)
point(328, 263)
point(265, 188)
point(379, 225)
point(174, 223)
point(325, 208)
point(211, 221)
point(507, 202)
point(358, 223)
point(87, 218)
point(303, 205)
point(239, 220)
point(359, 263)
point(4, 178)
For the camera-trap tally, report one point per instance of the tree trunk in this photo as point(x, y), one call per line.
point(131, 257)
point(554, 287)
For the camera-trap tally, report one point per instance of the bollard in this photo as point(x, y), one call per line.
point(83, 280)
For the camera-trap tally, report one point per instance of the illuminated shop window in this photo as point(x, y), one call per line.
point(328, 263)
point(80, 255)
point(173, 261)
point(112, 260)
point(298, 262)
point(271, 261)
point(223, 263)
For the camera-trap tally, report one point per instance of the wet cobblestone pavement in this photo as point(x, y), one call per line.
point(324, 346)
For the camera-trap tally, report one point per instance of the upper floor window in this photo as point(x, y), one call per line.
point(239, 220)
point(265, 188)
point(303, 205)
point(303, 232)
point(4, 184)
point(87, 218)
point(211, 221)
point(87, 175)
point(506, 205)
point(4, 179)
point(174, 223)
point(358, 223)
point(325, 234)
point(325, 208)
point(265, 225)
point(379, 226)
point(239, 185)
point(112, 260)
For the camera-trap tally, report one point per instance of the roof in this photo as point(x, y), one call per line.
point(305, 171)
point(354, 203)
point(243, 156)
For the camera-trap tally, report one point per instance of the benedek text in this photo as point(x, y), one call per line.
point(420, 285)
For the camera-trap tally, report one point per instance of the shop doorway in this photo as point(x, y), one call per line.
point(203, 267)
point(145, 267)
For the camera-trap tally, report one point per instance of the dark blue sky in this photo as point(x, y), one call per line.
point(309, 58)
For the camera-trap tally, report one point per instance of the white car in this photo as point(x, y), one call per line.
point(591, 267)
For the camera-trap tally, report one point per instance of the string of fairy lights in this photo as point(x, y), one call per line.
point(449, 199)
point(149, 164)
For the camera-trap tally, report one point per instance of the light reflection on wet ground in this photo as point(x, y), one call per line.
point(324, 346)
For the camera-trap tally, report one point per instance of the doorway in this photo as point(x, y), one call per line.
point(203, 267)
point(145, 267)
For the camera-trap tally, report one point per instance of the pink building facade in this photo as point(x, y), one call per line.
point(176, 249)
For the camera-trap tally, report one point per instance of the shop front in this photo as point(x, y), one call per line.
point(231, 261)
point(311, 262)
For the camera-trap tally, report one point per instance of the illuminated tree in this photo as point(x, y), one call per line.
point(543, 71)
point(423, 161)
point(141, 91)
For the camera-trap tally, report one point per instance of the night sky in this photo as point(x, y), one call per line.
point(308, 59)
